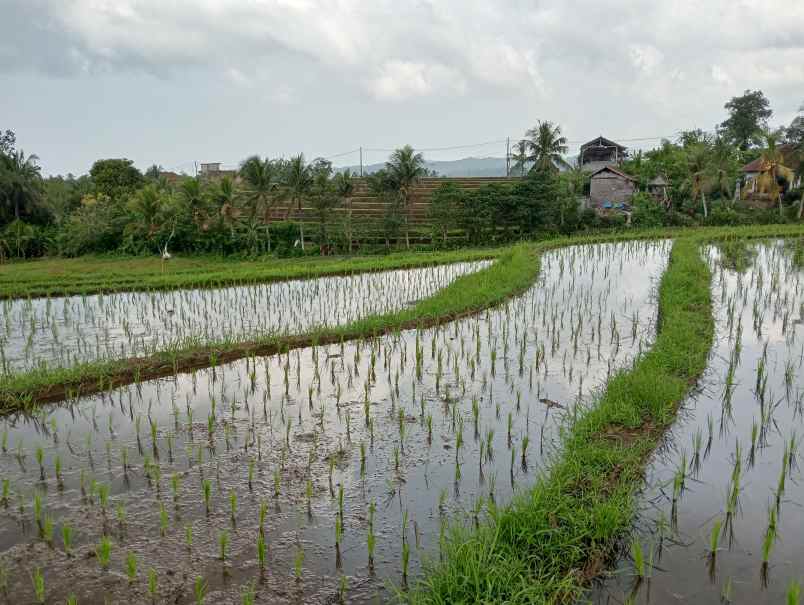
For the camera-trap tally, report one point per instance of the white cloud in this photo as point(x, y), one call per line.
point(399, 80)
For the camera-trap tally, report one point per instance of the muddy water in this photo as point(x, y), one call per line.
point(421, 405)
point(758, 293)
point(63, 331)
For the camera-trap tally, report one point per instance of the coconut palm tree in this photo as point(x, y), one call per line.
point(546, 145)
point(20, 182)
point(299, 182)
point(345, 187)
point(722, 167)
point(520, 157)
point(261, 181)
point(405, 168)
point(698, 179)
point(772, 168)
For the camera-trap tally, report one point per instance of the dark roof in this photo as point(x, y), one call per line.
point(614, 170)
point(602, 141)
point(790, 157)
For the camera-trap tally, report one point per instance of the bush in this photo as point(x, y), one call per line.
point(647, 212)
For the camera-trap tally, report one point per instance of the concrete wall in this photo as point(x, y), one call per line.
point(610, 187)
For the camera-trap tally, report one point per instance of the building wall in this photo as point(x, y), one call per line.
point(609, 187)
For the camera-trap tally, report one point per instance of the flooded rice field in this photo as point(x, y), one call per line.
point(63, 331)
point(322, 474)
point(721, 517)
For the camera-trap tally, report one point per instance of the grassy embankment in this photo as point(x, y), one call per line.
point(552, 539)
point(515, 270)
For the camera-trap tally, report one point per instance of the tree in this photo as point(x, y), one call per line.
point(8, 142)
point(404, 169)
point(748, 116)
point(445, 206)
point(772, 169)
point(698, 173)
point(116, 178)
point(20, 183)
point(546, 145)
point(520, 157)
point(261, 179)
point(323, 196)
point(344, 187)
point(299, 181)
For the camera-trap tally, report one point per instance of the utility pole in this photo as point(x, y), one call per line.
point(361, 161)
point(507, 156)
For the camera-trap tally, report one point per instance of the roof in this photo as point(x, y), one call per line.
point(602, 141)
point(658, 181)
point(789, 159)
point(614, 170)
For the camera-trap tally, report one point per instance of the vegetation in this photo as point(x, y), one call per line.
point(116, 208)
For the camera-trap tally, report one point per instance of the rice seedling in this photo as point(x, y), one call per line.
point(223, 544)
point(233, 506)
point(152, 583)
point(164, 521)
point(298, 562)
point(206, 485)
point(67, 537)
point(131, 567)
point(103, 552)
point(261, 550)
point(40, 457)
point(38, 584)
point(47, 530)
point(638, 556)
point(188, 536)
point(793, 593)
point(248, 594)
point(200, 590)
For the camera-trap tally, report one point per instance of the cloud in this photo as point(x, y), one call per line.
point(400, 80)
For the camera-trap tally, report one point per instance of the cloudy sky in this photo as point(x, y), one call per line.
point(177, 81)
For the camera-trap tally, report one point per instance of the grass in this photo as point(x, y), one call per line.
point(95, 274)
point(548, 542)
point(513, 272)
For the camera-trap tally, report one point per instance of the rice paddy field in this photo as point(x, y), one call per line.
point(507, 445)
point(720, 520)
point(65, 331)
point(324, 471)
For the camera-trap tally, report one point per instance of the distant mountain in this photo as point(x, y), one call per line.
point(462, 167)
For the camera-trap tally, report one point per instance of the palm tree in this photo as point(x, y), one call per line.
point(344, 187)
point(405, 168)
point(772, 168)
point(698, 173)
point(546, 145)
point(224, 199)
point(299, 181)
point(722, 167)
point(20, 182)
point(261, 184)
point(520, 156)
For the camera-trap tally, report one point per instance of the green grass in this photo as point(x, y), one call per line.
point(93, 274)
point(548, 542)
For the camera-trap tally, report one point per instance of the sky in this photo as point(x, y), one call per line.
point(174, 82)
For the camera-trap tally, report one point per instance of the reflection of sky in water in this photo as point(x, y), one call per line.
point(590, 313)
point(767, 300)
point(61, 331)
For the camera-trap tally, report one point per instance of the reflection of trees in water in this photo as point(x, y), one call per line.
point(736, 254)
point(794, 248)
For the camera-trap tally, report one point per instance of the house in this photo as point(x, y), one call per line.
point(752, 187)
point(601, 152)
point(213, 170)
point(657, 187)
point(611, 189)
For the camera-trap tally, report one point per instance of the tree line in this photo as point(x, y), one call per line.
point(117, 208)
